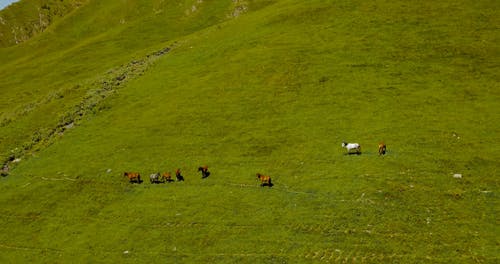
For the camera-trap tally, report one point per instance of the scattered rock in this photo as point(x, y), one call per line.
point(241, 6)
point(70, 125)
point(162, 52)
point(121, 77)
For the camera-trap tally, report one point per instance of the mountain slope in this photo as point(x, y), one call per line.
point(84, 46)
point(275, 90)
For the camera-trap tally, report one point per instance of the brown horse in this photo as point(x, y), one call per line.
point(166, 177)
point(204, 171)
point(133, 177)
point(381, 148)
point(264, 180)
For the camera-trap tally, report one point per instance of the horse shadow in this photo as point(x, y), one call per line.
point(267, 184)
point(205, 175)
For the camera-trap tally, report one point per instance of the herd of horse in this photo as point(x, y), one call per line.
point(155, 178)
point(135, 177)
point(165, 177)
point(265, 180)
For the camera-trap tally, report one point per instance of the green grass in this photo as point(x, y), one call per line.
point(275, 91)
point(84, 46)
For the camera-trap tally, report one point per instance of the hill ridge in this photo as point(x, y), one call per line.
point(23, 20)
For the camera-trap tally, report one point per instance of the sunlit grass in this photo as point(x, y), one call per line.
point(276, 91)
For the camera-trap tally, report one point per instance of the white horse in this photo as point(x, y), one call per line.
point(352, 147)
point(154, 178)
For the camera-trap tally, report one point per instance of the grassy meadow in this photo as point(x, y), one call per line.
point(254, 86)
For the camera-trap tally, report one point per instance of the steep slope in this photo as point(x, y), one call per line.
point(276, 91)
point(83, 47)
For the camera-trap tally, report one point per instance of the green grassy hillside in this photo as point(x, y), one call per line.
point(83, 47)
point(254, 86)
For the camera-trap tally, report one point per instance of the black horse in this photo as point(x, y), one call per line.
point(178, 175)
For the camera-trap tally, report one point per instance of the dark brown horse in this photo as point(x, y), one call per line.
point(264, 180)
point(204, 171)
point(133, 177)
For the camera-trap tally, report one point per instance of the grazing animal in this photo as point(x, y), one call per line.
point(154, 178)
point(133, 176)
point(352, 148)
point(381, 148)
point(204, 171)
point(166, 177)
point(178, 175)
point(264, 180)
